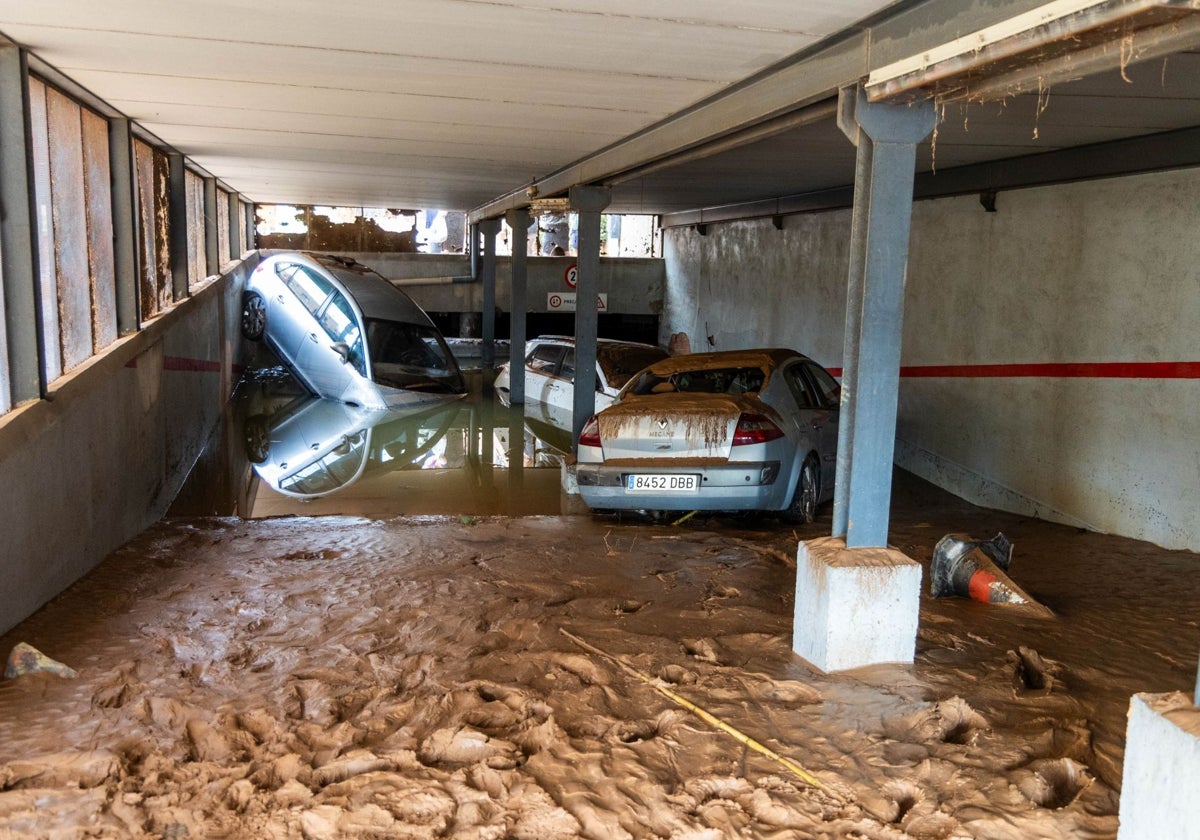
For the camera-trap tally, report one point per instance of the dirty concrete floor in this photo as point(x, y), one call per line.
point(407, 677)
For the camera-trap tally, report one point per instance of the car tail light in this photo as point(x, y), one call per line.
point(590, 435)
point(754, 428)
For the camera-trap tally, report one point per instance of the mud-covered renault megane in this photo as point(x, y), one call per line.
point(347, 333)
point(736, 430)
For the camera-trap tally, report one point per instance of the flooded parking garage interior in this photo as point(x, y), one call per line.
point(977, 215)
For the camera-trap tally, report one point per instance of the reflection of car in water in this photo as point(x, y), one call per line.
point(347, 333)
point(736, 430)
point(312, 447)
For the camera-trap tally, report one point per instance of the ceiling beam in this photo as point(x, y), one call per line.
point(1178, 149)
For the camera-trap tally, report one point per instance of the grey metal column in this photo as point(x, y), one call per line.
point(588, 202)
point(177, 214)
point(125, 219)
point(249, 226)
point(847, 98)
point(235, 229)
point(473, 248)
point(212, 241)
point(518, 221)
point(21, 328)
point(489, 228)
point(879, 256)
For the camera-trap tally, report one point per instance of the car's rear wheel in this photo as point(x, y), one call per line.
point(803, 508)
point(254, 316)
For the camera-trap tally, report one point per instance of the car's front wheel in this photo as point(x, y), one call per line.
point(803, 508)
point(254, 316)
point(258, 438)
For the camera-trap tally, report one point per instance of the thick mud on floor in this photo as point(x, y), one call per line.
point(344, 677)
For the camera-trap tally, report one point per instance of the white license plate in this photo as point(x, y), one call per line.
point(662, 483)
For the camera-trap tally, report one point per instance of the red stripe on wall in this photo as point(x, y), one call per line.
point(1063, 370)
point(190, 365)
point(1055, 370)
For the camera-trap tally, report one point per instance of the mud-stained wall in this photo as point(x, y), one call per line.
point(633, 286)
point(99, 461)
point(1103, 274)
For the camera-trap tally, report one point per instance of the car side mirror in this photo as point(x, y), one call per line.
point(342, 349)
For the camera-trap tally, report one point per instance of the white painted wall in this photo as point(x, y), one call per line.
point(1095, 272)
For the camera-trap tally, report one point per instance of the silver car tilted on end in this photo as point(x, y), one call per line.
point(347, 333)
point(735, 430)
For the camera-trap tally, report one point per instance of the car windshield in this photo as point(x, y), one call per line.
point(411, 356)
point(731, 380)
point(619, 362)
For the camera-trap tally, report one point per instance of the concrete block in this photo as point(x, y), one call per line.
point(856, 606)
point(1162, 769)
point(570, 484)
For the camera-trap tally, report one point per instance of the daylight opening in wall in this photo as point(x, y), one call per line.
point(557, 235)
point(369, 229)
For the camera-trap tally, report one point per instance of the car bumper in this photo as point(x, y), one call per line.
point(743, 486)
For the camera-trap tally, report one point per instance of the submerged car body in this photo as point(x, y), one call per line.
point(550, 371)
point(735, 430)
point(347, 333)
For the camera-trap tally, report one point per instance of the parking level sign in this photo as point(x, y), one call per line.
point(565, 302)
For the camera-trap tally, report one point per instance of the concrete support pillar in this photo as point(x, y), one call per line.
point(1162, 768)
point(235, 228)
point(518, 222)
point(588, 202)
point(125, 224)
point(20, 312)
point(178, 221)
point(887, 137)
point(212, 249)
point(489, 228)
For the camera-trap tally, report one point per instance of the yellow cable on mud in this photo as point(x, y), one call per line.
point(707, 717)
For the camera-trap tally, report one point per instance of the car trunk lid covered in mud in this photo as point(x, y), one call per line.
point(684, 426)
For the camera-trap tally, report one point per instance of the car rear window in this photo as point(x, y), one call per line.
point(619, 362)
point(731, 380)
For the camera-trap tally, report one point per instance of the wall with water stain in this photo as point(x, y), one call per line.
point(1050, 358)
point(101, 458)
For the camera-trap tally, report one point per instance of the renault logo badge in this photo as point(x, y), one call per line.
point(662, 423)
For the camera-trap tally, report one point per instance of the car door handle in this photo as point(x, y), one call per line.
point(279, 298)
point(817, 427)
point(312, 337)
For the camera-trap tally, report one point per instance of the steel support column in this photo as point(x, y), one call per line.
point(212, 241)
point(489, 228)
point(518, 222)
point(235, 229)
point(588, 202)
point(887, 138)
point(177, 213)
point(20, 314)
point(125, 224)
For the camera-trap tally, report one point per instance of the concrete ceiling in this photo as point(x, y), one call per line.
point(410, 103)
point(454, 103)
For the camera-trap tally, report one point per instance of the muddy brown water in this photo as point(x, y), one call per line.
point(379, 673)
